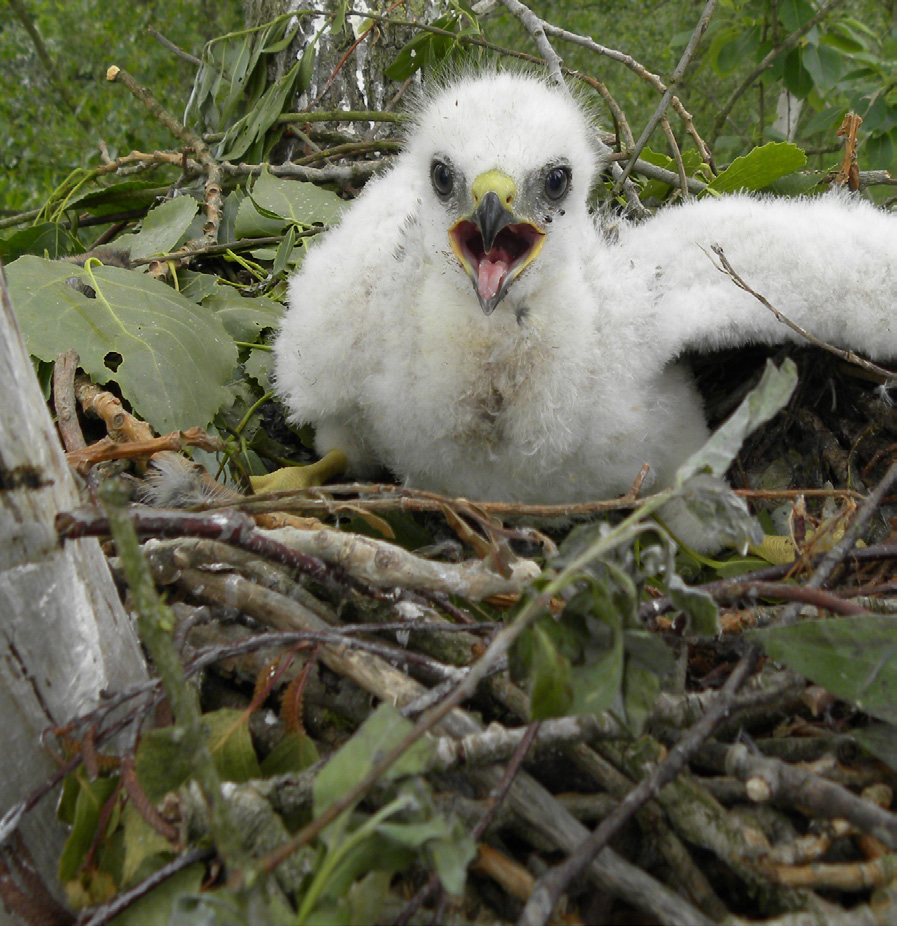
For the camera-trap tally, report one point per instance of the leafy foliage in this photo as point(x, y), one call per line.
point(192, 351)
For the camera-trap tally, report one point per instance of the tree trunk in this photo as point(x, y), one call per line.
point(64, 635)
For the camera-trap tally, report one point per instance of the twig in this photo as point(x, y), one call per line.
point(773, 780)
point(638, 68)
point(102, 915)
point(228, 526)
point(174, 49)
point(64, 401)
point(675, 79)
point(805, 595)
point(212, 200)
point(554, 883)
point(677, 157)
point(847, 355)
point(536, 28)
point(834, 557)
point(107, 449)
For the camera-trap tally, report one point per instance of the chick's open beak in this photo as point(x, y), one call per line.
point(494, 245)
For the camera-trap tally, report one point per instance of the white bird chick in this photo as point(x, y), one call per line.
point(468, 325)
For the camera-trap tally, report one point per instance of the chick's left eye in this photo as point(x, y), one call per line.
point(556, 182)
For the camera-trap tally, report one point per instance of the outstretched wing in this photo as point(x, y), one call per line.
point(828, 264)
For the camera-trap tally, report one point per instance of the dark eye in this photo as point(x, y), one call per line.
point(556, 182)
point(443, 181)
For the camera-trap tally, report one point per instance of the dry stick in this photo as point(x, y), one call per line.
point(536, 28)
point(842, 548)
point(667, 97)
point(677, 156)
point(786, 45)
point(64, 401)
point(213, 192)
point(102, 915)
point(774, 780)
point(551, 886)
point(231, 527)
point(174, 49)
point(638, 68)
point(847, 355)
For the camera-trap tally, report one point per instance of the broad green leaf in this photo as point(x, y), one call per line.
point(157, 908)
point(794, 13)
point(765, 400)
point(118, 197)
point(244, 317)
point(550, 686)
point(698, 606)
point(293, 753)
point(445, 842)
point(825, 66)
point(48, 238)
point(164, 228)
point(176, 358)
point(881, 740)
point(92, 795)
point(294, 201)
point(260, 366)
point(143, 846)
point(798, 79)
point(382, 731)
point(759, 168)
point(854, 658)
point(362, 904)
point(163, 759)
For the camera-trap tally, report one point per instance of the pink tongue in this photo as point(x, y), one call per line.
point(490, 275)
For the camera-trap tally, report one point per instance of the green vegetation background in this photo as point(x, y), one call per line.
point(51, 125)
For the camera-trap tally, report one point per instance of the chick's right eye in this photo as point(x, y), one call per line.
point(443, 181)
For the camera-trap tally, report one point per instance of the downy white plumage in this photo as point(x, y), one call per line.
point(469, 325)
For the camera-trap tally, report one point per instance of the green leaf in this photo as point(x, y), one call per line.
point(92, 795)
point(854, 658)
point(765, 400)
point(797, 78)
point(175, 358)
point(697, 605)
point(144, 848)
point(157, 908)
point(48, 239)
point(164, 228)
point(825, 66)
point(880, 739)
point(445, 841)
point(118, 197)
point(293, 201)
point(550, 687)
point(759, 168)
point(381, 732)
point(252, 127)
point(163, 759)
point(794, 13)
point(244, 317)
point(294, 753)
